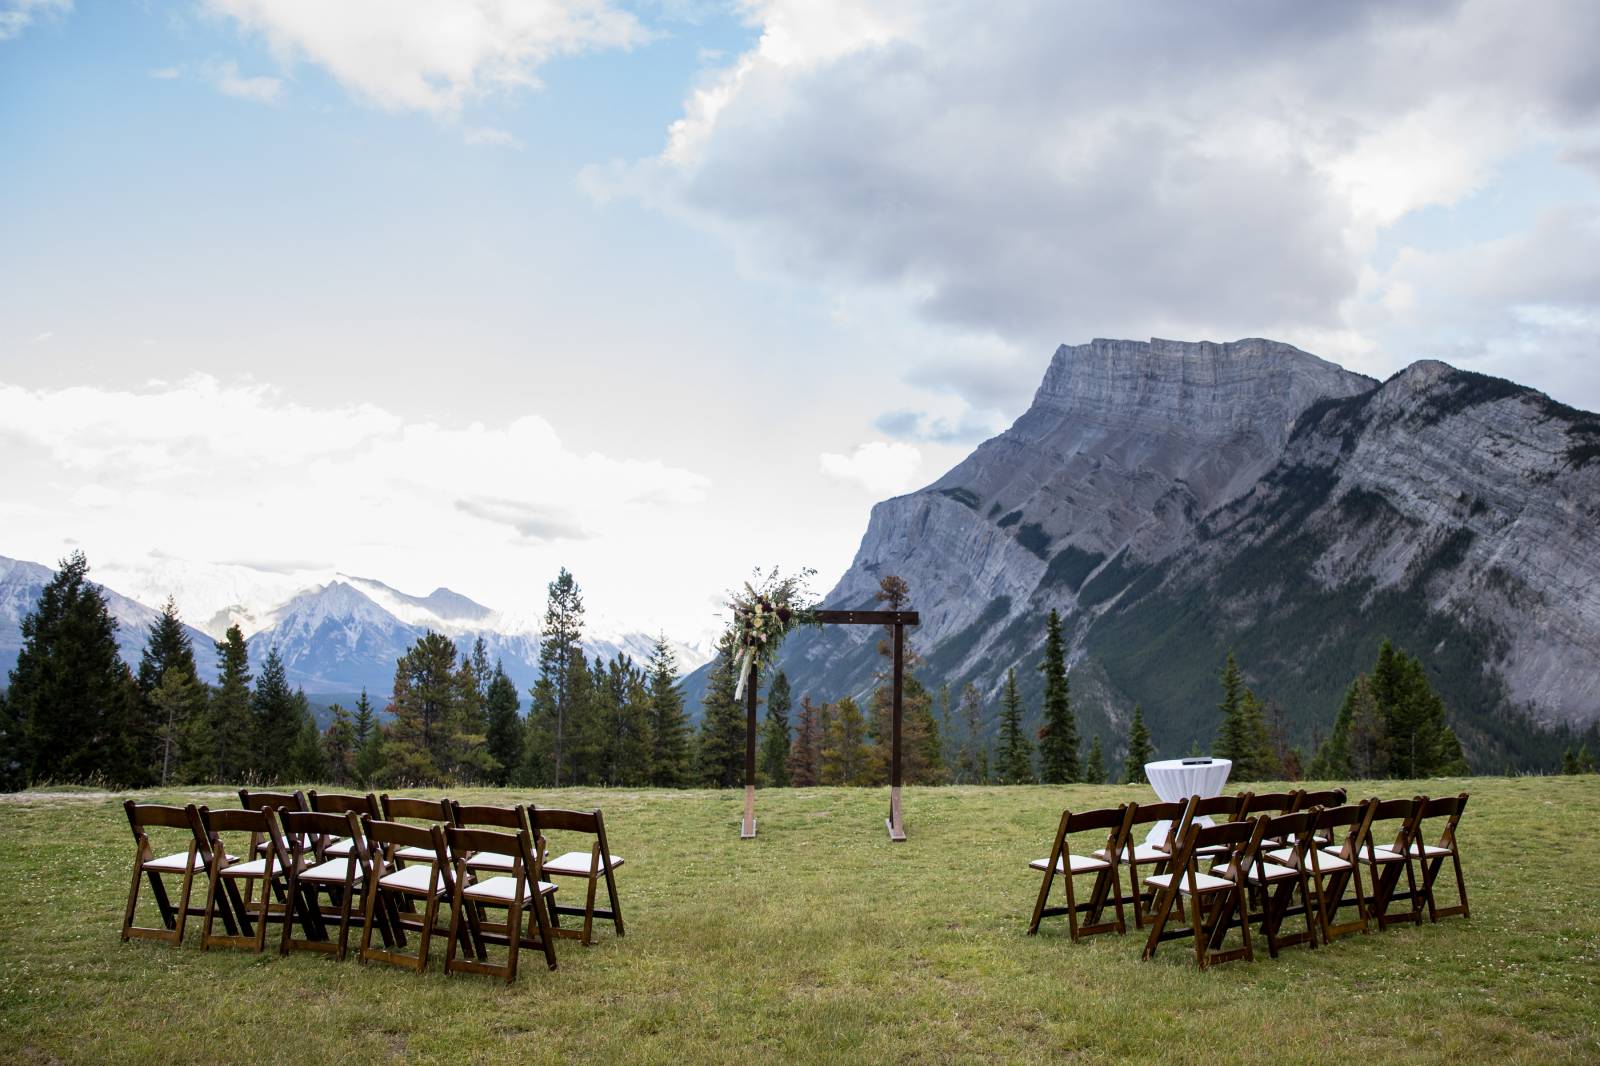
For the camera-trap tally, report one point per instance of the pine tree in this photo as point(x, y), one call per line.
point(846, 758)
point(1368, 732)
point(12, 750)
point(805, 754)
point(1257, 761)
point(774, 764)
point(560, 659)
point(1013, 753)
point(167, 651)
point(972, 759)
point(339, 743)
point(722, 726)
point(276, 722)
point(436, 736)
point(669, 726)
point(1094, 770)
point(466, 740)
point(482, 673)
point(1232, 742)
point(71, 697)
point(308, 760)
point(626, 703)
point(371, 758)
point(505, 730)
point(1139, 749)
point(181, 705)
point(232, 717)
point(1058, 735)
point(1332, 761)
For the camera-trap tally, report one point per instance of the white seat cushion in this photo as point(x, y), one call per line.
point(410, 854)
point(1142, 853)
point(1204, 882)
point(414, 879)
point(1327, 860)
point(339, 847)
point(502, 889)
point(333, 870)
point(488, 860)
point(1419, 849)
point(1080, 864)
point(1273, 871)
point(577, 863)
point(1380, 856)
point(178, 862)
point(253, 868)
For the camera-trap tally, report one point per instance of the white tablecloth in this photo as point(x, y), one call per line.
point(1178, 779)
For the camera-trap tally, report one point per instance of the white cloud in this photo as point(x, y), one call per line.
point(166, 73)
point(883, 468)
point(1052, 171)
point(225, 75)
point(18, 15)
point(487, 136)
point(432, 55)
point(42, 337)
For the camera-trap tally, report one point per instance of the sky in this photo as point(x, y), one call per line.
point(459, 292)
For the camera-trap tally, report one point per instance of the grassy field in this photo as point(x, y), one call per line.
point(820, 941)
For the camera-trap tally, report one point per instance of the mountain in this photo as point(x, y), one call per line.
point(1178, 500)
point(21, 585)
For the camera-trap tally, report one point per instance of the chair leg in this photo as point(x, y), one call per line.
point(133, 894)
point(1158, 923)
point(513, 938)
point(588, 911)
point(547, 938)
point(616, 905)
point(1038, 906)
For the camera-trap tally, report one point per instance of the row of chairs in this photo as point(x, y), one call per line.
point(329, 864)
point(1271, 857)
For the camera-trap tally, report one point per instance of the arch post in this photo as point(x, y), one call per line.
point(747, 830)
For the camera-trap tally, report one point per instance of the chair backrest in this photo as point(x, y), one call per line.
point(1170, 812)
point(1449, 808)
point(1397, 816)
point(464, 815)
point(338, 803)
point(209, 825)
point(1266, 803)
point(1333, 797)
point(385, 836)
point(142, 816)
point(1113, 820)
point(1345, 825)
point(1238, 841)
point(465, 844)
point(433, 811)
point(272, 801)
point(309, 831)
point(1223, 807)
point(1293, 829)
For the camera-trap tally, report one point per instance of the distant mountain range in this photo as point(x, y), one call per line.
point(335, 638)
point(1177, 500)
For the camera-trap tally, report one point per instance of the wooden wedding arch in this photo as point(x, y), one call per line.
point(897, 620)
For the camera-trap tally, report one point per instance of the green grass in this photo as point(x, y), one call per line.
point(821, 941)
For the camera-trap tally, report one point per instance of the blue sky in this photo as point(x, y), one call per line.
point(459, 291)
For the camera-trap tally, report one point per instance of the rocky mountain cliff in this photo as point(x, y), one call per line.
point(1177, 500)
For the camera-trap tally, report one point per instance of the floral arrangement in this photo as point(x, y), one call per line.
point(763, 614)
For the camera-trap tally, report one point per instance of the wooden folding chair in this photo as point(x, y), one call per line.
point(1220, 808)
point(341, 878)
point(1134, 852)
point(270, 801)
point(394, 887)
point(430, 812)
point(226, 874)
point(1216, 897)
point(1332, 867)
point(148, 866)
point(1385, 865)
point(1277, 876)
point(592, 865)
point(518, 891)
point(1431, 856)
point(337, 847)
point(1063, 862)
point(1325, 798)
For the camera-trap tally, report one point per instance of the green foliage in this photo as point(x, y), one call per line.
point(1577, 762)
point(1094, 770)
point(972, 758)
point(233, 727)
point(277, 721)
point(965, 497)
point(1112, 579)
point(1069, 567)
point(670, 764)
point(437, 735)
point(339, 745)
point(560, 664)
point(622, 712)
point(308, 759)
point(805, 754)
point(1058, 736)
point(1391, 724)
point(773, 764)
point(1139, 750)
point(504, 732)
point(722, 726)
point(846, 758)
point(1013, 753)
point(1243, 735)
point(72, 700)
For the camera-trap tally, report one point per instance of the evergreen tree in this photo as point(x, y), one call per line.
point(169, 650)
point(1368, 732)
point(436, 736)
point(1257, 760)
point(1332, 761)
point(1013, 753)
point(277, 721)
point(232, 717)
point(482, 674)
point(625, 699)
point(947, 730)
point(72, 698)
point(188, 751)
point(505, 730)
point(774, 763)
point(805, 754)
point(339, 744)
point(1139, 749)
point(1232, 740)
point(365, 720)
point(1094, 770)
point(13, 774)
point(371, 757)
point(846, 758)
point(972, 759)
point(560, 660)
point(669, 726)
point(1058, 735)
point(308, 760)
point(722, 726)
